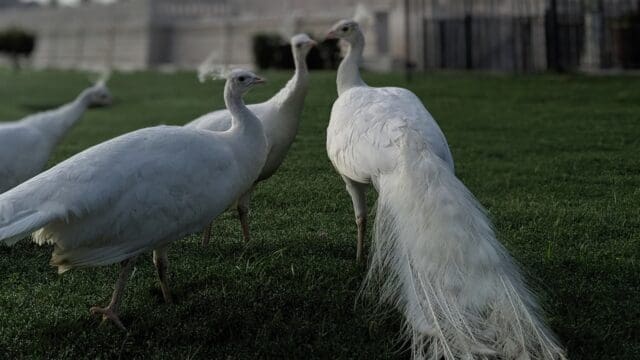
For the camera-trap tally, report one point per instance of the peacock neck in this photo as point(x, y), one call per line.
point(243, 121)
point(300, 80)
point(55, 124)
point(292, 95)
point(248, 139)
point(349, 69)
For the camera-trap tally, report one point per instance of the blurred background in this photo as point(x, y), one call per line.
point(551, 152)
point(498, 35)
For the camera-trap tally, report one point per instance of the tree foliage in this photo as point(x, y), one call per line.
point(16, 43)
point(271, 51)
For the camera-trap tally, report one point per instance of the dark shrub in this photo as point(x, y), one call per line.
point(325, 56)
point(264, 46)
point(273, 52)
point(16, 43)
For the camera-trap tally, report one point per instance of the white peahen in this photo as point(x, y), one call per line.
point(27, 144)
point(435, 255)
point(138, 192)
point(280, 118)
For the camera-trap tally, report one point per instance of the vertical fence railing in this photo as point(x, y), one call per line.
point(531, 35)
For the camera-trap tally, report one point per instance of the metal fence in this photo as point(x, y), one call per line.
point(527, 35)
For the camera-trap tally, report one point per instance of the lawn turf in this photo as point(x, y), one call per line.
point(554, 158)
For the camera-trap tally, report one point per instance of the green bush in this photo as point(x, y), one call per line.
point(16, 43)
point(263, 49)
point(271, 51)
point(325, 56)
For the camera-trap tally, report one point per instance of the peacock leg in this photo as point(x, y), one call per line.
point(206, 234)
point(111, 311)
point(161, 261)
point(243, 212)
point(361, 222)
point(358, 198)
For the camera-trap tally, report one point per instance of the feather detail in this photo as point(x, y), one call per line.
point(97, 209)
point(435, 255)
point(18, 225)
point(438, 260)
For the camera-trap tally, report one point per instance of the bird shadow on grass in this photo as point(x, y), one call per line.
point(38, 107)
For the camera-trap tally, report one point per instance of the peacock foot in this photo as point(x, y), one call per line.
point(108, 314)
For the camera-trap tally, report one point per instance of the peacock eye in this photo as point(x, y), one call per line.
point(241, 78)
point(298, 46)
point(345, 28)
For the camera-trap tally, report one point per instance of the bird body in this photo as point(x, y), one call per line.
point(27, 144)
point(134, 193)
point(279, 132)
point(357, 137)
point(138, 192)
point(435, 255)
point(280, 117)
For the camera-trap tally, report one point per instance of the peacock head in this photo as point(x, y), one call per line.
point(301, 45)
point(99, 95)
point(240, 81)
point(347, 30)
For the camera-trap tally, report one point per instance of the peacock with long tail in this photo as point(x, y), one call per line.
point(434, 255)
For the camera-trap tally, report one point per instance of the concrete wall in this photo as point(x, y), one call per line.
point(90, 36)
point(225, 30)
point(138, 34)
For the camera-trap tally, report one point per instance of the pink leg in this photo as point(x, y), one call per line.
point(357, 191)
point(361, 222)
point(161, 261)
point(111, 311)
point(243, 212)
point(206, 234)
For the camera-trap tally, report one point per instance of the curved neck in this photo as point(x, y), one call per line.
point(300, 63)
point(294, 92)
point(349, 70)
point(56, 123)
point(242, 119)
point(246, 133)
point(300, 79)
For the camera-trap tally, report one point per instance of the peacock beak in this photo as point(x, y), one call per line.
point(331, 35)
point(259, 80)
point(313, 43)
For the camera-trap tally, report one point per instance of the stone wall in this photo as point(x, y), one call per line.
point(225, 30)
point(138, 34)
point(88, 37)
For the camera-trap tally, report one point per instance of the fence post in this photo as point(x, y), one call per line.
point(407, 40)
point(553, 49)
point(468, 41)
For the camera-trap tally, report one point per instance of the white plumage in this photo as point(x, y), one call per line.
point(27, 144)
point(138, 192)
point(280, 117)
point(435, 255)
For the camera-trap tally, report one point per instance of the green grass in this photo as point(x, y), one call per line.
point(554, 158)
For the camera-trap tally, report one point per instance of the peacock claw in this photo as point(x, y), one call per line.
point(108, 314)
point(206, 235)
point(168, 299)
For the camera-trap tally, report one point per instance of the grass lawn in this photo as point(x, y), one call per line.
point(554, 158)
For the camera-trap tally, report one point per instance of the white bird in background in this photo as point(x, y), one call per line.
point(280, 118)
point(435, 255)
point(138, 192)
point(27, 144)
